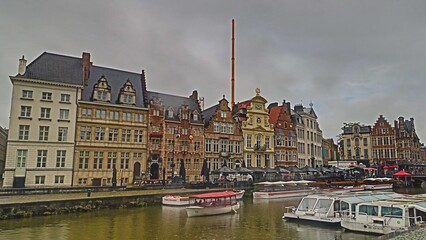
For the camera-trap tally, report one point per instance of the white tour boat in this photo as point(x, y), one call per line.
point(174, 200)
point(387, 216)
point(213, 203)
point(330, 208)
point(283, 189)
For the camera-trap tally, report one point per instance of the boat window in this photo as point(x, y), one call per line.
point(307, 204)
point(369, 210)
point(391, 212)
point(323, 205)
point(344, 206)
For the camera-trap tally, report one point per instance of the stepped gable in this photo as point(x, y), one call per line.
point(274, 112)
point(176, 102)
point(55, 68)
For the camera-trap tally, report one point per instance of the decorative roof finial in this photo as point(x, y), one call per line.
point(257, 91)
point(311, 104)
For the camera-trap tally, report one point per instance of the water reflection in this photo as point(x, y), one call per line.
point(256, 219)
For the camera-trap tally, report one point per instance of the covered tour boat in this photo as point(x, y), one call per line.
point(213, 203)
point(174, 200)
point(331, 208)
point(283, 189)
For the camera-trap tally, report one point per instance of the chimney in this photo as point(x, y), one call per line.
point(85, 61)
point(194, 95)
point(22, 66)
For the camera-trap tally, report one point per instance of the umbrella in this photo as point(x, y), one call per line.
point(205, 170)
point(402, 173)
point(224, 170)
point(244, 164)
point(282, 170)
point(243, 170)
point(257, 170)
point(390, 167)
point(308, 169)
point(336, 169)
point(324, 169)
point(182, 171)
point(294, 169)
point(114, 177)
point(270, 170)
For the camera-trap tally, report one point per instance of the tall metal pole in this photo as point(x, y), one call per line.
point(233, 68)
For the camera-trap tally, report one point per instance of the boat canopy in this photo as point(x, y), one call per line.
point(214, 195)
point(420, 206)
point(370, 198)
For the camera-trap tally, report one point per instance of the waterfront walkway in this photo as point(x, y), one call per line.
point(34, 198)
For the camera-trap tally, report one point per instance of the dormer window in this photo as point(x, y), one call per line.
point(101, 90)
point(127, 94)
point(195, 116)
point(170, 113)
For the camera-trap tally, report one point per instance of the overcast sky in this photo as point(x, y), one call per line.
point(354, 60)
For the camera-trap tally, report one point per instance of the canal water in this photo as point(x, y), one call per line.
point(256, 219)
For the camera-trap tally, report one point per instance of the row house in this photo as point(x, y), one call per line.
point(41, 135)
point(285, 146)
point(309, 136)
point(222, 136)
point(176, 136)
point(407, 142)
point(111, 136)
point(3, 146)
point(258, 133)
point(356, 143)
point(383, 142)
point(330, 151)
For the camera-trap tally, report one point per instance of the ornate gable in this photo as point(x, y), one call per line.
point(101, 90)
point(127, 94)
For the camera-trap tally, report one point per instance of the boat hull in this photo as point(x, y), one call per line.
point(283, 194)
point(292, 216)
point(175, 201)
point(198, 211)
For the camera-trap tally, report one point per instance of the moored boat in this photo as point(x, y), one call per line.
point(213, 203)
point(283, 189)
point(174, 200)
point(330, 208)
point(387, 216)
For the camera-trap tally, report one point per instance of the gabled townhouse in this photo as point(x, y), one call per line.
point(383, 142)
point(112, 122)
point(42, 124)
point(176, 136)
point(258, 133)
point(309, 136)
point(222, 136)
point(407, 142)
point(330, 151)
point(356, 143)
point(285, 141)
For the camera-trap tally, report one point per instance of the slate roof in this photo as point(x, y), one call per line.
point(67, 69)
point(362, 129)
point(209, 113)
point(116, 79)
point(55, 68)
point(176, 102)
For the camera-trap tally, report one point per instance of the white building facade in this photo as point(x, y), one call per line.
point(309, 136)
point(42, 124)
